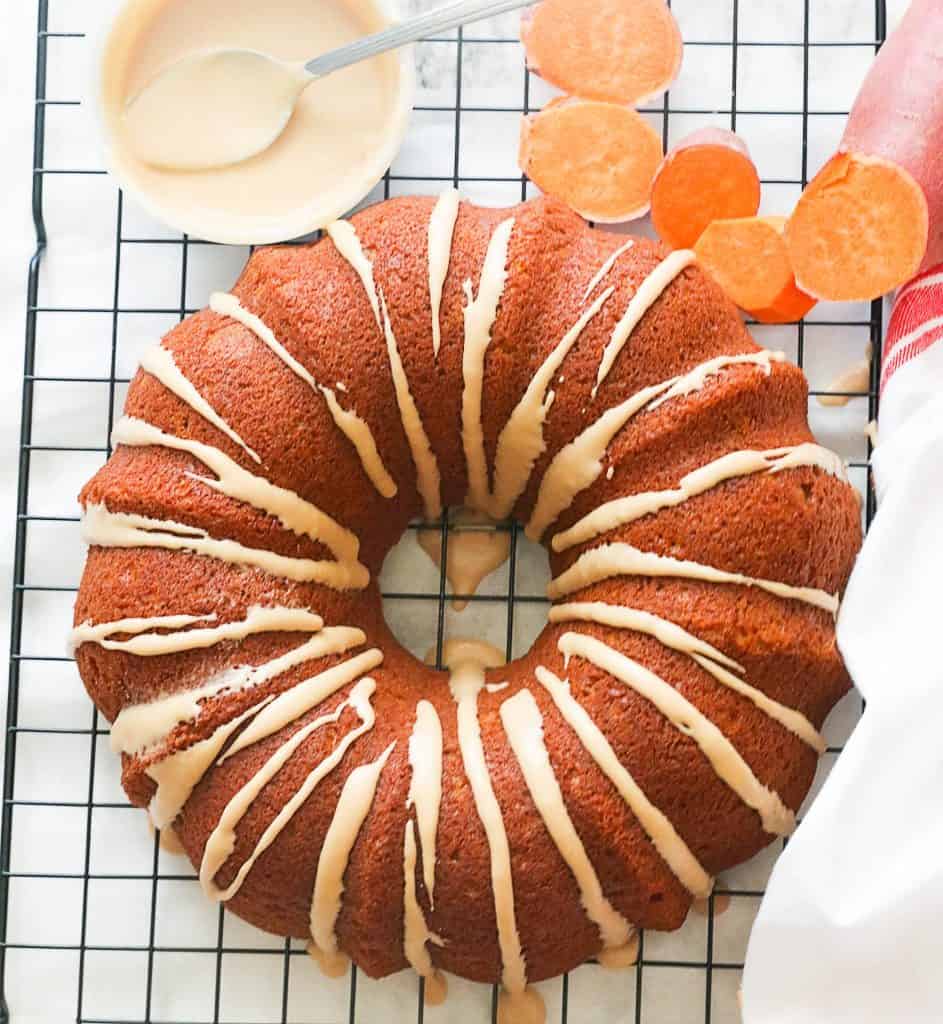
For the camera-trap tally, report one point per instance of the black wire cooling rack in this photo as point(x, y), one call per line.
point(509, 598)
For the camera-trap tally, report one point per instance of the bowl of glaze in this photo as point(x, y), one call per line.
point(344, 134)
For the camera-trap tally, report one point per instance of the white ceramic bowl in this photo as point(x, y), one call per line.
point(204, 221)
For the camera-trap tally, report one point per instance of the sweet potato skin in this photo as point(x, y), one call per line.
point(711, 136)
point(898, 114)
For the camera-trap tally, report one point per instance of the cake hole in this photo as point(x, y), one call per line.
point(497, 591)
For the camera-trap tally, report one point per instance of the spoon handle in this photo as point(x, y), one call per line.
point(440, 20)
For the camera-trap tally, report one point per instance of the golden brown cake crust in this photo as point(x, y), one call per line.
point(801, 527)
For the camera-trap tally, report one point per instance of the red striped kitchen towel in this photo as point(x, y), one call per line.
point(916, 322)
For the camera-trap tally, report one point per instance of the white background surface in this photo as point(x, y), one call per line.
point(78, 270)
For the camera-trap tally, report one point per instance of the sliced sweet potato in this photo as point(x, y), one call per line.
point(707, 176)
point(599, 158)
point(859, 229)
point(747, 257)
point(623, 51)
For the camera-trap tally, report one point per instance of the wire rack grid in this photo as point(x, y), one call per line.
point(86, 898)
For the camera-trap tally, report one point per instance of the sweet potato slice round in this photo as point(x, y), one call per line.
point(599, 158)
point(623, 51)
point(707, 176)
point(747, 257)
point(859, 229)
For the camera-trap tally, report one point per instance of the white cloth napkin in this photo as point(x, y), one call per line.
point(850, 928)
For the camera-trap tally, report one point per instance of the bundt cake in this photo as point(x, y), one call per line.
point(503, 822)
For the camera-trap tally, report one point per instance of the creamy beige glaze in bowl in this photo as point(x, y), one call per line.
point(343, 136)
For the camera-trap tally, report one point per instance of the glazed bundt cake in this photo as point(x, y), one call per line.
point(504, 823)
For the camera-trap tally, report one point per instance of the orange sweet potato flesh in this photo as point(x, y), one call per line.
point(859, 229)
point(598, 158)
point(622, 51)
point(747, 257)
point(706, 177)
point(898, 114)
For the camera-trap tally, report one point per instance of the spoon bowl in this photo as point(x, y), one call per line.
point(228, 106)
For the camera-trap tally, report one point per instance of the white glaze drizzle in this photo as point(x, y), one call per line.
point(523, 725)
point(480, 313)
point(854, 378)
point(294, 702)
point(622, 559)
point(258, 619)
point(577, 464)
point(719, 899)
point(331, 965)
point(344, 236)
point(361, 437)
point(620, 617)
point(789, 718)
point(521, 441)
point(472, 554)
point(663, 835)
point(425, 787)
point(646, 295)
point(521, 1007)
point(291, 510)
point(441, 229)
point(777, 819)
point(138, 727)
point(627, 509)
point(608, 264)
point(222, 840)
point(102, 527)
point(620, 957)
point(177, 775)
point(708, 657)
point(460, 649)
point(352, 808)
point(695, 379)
point(160, 364)
point(416, 932)
point(428, 482)
point(167, 840)
point(98, 633)
point(425, 794)
point(352, 426)
point(466, 681)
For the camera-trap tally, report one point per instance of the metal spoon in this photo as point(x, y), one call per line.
point(219, 107)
